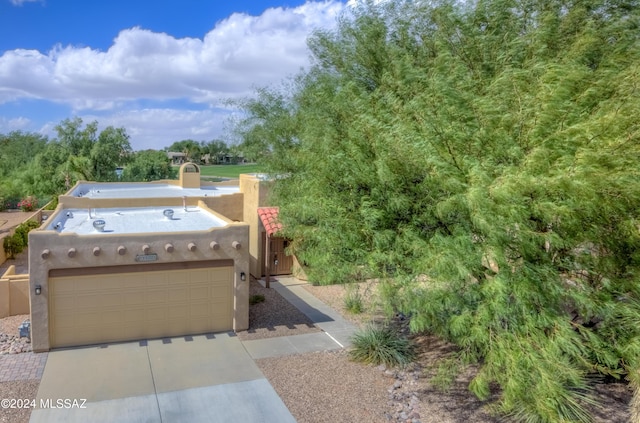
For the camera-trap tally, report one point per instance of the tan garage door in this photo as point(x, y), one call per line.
point(135, 304)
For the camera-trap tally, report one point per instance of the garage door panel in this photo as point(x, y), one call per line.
point(200, 310)
point(157, 297)
point(112, 317)
point(134, 314)
point(180, 312)
point(134, 297)
point(178, 294)
point(127, 306)
point(199, 292)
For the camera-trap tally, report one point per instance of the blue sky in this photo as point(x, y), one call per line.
point(162, 69)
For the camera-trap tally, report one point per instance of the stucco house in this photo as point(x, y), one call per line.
point(126, 261)
point(176, 157)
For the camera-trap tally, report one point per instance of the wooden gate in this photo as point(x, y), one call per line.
point(280, 262)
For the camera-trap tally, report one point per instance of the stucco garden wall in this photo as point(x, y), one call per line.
point(14, 293)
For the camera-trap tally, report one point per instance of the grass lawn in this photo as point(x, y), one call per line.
point(228, 171)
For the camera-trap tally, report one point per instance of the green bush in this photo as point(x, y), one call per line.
point(353, 301)
point(381, 345)
point(13, 245)
point(23, 230)
point(255, 299)
point(51, 205)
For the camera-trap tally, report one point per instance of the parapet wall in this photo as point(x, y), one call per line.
point(14, 293)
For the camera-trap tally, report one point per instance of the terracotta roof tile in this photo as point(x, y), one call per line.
point(269, 218)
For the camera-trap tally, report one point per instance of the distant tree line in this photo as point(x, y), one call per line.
point(33, 165)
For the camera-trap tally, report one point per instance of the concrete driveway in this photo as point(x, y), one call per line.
point(206, 378)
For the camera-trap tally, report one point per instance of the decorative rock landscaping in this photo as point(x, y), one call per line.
point(403, 395)
point(11, 344)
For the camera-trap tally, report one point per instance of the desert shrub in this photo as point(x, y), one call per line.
point(353, 302)
point(13, 245)
point(23, 230)
point(381, 345)
point(51, 205)
point(255, 299)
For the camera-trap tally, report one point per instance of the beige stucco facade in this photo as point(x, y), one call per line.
point(255, 192)
point(14, 293)
point(97, 257)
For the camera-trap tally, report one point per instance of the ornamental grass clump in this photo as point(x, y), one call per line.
point(381, 345)
point(353, 302)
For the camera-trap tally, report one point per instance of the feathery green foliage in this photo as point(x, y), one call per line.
point(482, 159)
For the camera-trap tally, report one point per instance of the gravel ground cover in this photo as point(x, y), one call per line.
point(16, 389)
point(19, 389)
point(274, 316)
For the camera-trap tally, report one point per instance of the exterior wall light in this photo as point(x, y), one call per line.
point(243, 277)
point(38, 289)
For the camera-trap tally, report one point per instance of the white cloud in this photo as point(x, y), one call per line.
point(239, 53)
point(16, 124)
point(21, 2)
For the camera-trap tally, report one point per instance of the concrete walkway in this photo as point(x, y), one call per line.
point(336, 331)
point(205, 378)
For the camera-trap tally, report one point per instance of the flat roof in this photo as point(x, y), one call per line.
point(147, 190)
point(133, 220)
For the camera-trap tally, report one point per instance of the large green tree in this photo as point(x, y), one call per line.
point(17, 148)
point(111, 150)
point(80, 152)
point(149, 165)
point(482, 159)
